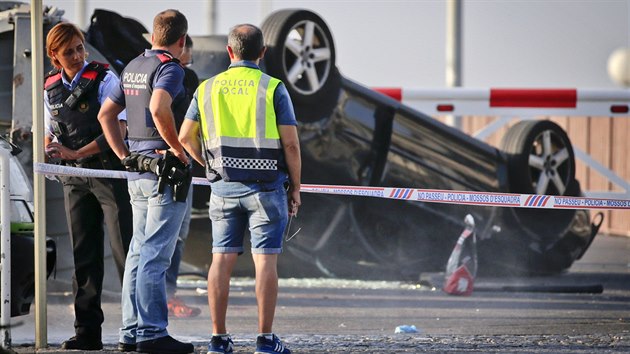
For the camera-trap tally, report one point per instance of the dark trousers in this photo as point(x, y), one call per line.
point(89, 202)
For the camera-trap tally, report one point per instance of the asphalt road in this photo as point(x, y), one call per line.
point(559, 314)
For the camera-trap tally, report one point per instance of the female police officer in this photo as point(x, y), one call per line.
point(73, 97)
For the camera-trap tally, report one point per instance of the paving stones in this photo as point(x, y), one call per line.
point(348, 316)
point(611, 343)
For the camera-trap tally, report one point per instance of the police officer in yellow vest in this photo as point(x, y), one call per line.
point(251, 151)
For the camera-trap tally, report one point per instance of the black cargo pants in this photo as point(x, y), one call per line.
point(89, 202)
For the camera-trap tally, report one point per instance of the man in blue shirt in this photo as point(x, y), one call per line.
point(150, 86)
point(251, 150)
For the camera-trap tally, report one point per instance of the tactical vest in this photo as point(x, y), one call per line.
point(238, 124)
point(191, 82)
point(74, 113)
point(137, 82)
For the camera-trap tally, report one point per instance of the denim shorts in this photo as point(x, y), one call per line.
point(265, 213)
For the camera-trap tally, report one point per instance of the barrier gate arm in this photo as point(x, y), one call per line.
point(505, 103)
point(508, 101)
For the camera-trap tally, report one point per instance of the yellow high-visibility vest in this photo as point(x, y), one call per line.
point(238, 125)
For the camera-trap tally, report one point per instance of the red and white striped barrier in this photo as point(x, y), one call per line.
point(505, 101)
point(406, 194)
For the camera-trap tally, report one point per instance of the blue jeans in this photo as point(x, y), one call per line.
point(157, 220)
point(173, 271)
point(265, 212)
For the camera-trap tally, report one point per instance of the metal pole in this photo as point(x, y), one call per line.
point(5, 260)
point(211, 22)
point(79, 9)
point(454, 51)
point(37, 76)
point(265, 9)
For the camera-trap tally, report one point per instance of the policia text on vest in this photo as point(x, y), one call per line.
point(135, 81)
point(234, 87)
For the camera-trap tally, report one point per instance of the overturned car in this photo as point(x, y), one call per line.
point(352, 135)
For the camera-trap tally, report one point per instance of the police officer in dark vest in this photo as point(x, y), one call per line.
point(73, 97)
point(151, 88)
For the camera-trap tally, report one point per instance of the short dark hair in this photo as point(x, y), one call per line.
point(246, 41)
point(168, 27)
point(189, 42)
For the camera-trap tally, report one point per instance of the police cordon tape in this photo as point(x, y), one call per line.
point(536, 201)
point(58, 170)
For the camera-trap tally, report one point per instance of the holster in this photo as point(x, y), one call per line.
point(177, 175)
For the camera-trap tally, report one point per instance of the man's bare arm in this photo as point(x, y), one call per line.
point(122, 124)
point(189, 137)
point(291, 147)
point(108, 117)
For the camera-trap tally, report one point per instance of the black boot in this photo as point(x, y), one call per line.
point(83, 343)
point(126, 347)
point(164, 345)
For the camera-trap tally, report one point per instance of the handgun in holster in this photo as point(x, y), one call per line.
point(177, 175)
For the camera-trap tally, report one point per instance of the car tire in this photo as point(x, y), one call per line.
point(301, 53)
point(540, 158)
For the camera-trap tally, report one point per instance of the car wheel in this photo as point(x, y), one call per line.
point(301, 53)
point(540, 158)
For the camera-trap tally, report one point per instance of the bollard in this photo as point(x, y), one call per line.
point(5, 249)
